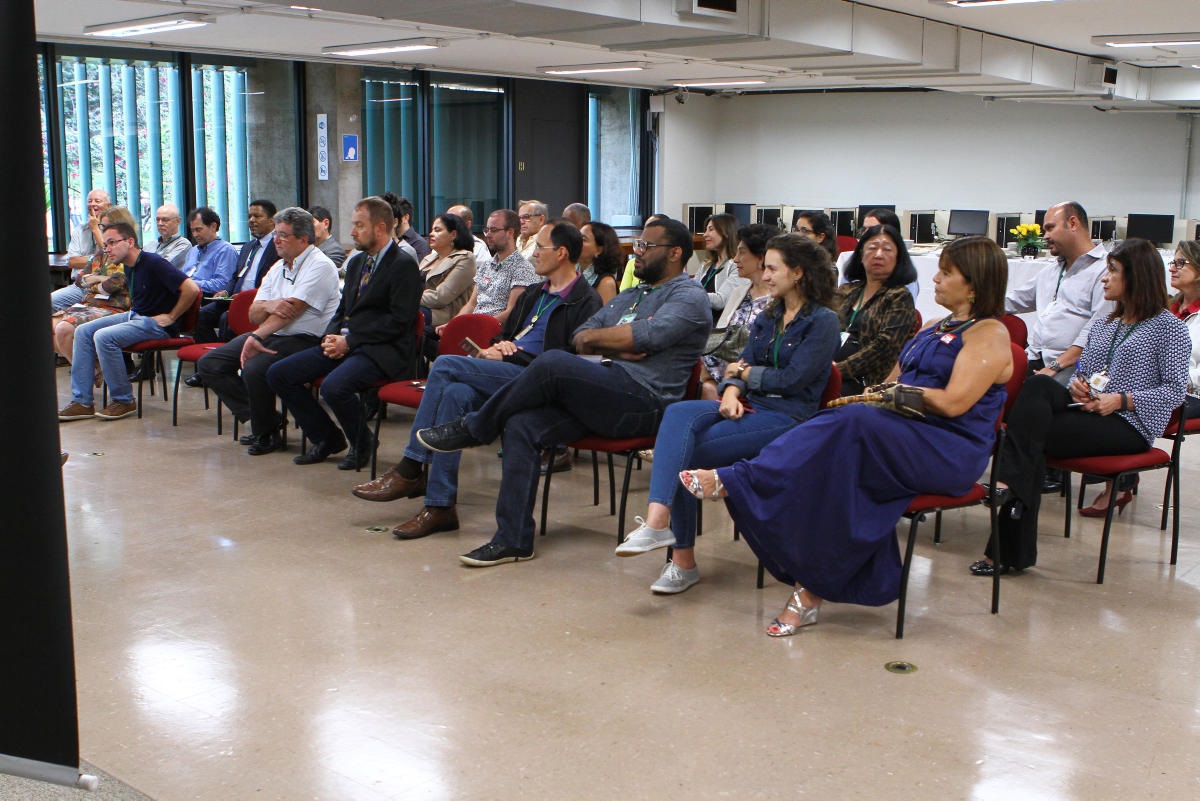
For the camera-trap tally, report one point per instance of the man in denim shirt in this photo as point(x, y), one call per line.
point(650, 337)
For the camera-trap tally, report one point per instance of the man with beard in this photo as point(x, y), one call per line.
point(644, 345)
point(503, 276)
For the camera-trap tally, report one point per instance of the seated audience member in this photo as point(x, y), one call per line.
point(719, 275)
point(819, 505)
point(818, 225)
point(369, 338)
point(501, 279)
point(294, 304)
point(532, 214)
point(404, 233)
point(212, 262)
point(629, 278)
point(1131, 375)
point(780, 376)
point(601, 260)
point(246, 266)
point(160, 293)
point(84, 244)
point(1185, 278)
point(729, 338)
point(325, 241)
point(171, 245)
point(544, 319)
point(577, 214)
point(482, 253)
point(877, 312)
point(448, 271)
point(105, 291)
point(651, 336)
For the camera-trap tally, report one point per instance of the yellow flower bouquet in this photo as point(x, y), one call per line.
point(1028, 235)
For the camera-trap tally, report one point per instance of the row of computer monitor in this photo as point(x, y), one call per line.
point(929, 226)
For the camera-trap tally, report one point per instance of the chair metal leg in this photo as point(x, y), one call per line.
point(175, 399)
point(1067, 504)
point(908, 555)
point(545, 499)
point(624, 497)
point(761, 574)
point(937, 528)
point(1166, 501)
point(612, 487)
point(162, 371)
point(595, 479)
point(1175, 520)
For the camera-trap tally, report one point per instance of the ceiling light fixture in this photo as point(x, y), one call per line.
point(588, 69)
point(716, 84)
point(1148, 40)
point(148, 25)
point(382, 48)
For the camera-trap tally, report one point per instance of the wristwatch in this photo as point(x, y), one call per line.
point(1054, 365)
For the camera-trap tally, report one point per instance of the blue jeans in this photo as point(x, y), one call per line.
point(344, 379)
point(64, 297)
point(557, 399)
point(104, 339)
point(694, 434)
point(456, 385)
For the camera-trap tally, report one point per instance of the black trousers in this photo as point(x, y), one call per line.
point(1040, 424)
point(247, 395)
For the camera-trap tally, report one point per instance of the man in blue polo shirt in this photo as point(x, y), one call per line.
point(161, 295)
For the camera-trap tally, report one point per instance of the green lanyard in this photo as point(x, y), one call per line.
point(857, 308)
point(550, 299)
point(777, 342)
point(1112, 349)
point(1062, 271)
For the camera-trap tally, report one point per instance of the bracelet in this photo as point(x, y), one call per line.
point(253, 335)
point(1124, 402)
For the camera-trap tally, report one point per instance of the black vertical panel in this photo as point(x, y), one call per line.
point(37, 672)
point(550, 139)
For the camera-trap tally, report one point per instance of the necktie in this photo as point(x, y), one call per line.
point(366, 273)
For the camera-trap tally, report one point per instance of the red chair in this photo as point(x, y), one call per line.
point(1114, 468)
point(154, 349)
point(846, 244)
point(239, 323)
point(628, 446)
point(1017, 330)
point(922, 505)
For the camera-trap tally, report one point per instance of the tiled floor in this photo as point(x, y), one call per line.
point(241, 634)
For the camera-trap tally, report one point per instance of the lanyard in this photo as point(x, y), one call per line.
point(862, 301)
point(1061, 272)
point(550, 300)
point(1116, 344)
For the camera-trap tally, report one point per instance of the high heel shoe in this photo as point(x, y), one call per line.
point(691, 482)
point(1123, 498)
point(808, 617)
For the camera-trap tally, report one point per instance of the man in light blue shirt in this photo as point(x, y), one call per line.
point(212, 261)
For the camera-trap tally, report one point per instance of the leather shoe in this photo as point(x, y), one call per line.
point(356, 459)
point(267, 443)
point(193, 380)
point(560, 463)
point(320, 451)
point(246, 439)
point(430, 520)
point(985, 568)
point(391, 486)
point(448, 437)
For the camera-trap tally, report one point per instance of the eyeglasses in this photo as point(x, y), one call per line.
point(282, 236)
point(546, 247)
point(641, 245)
point(489, 230)
point(1179, 264)
point(528, 217)
point(803, 229)
point(108, 243)
point(165, 219)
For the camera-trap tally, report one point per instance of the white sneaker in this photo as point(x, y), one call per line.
point(643, 539)
point(675, 579)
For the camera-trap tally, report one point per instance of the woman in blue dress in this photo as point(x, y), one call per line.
point(819, 505)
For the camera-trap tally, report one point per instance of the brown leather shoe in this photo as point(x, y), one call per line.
point(561, 460)
point(390, 486)
point(431, 520)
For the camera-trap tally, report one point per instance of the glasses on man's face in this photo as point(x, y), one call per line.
point(641, 245)
point(545, 247)
point(490, 230)
point(165, 220)
point(108, 243)
point(1179, 264)
point(528, 217)
point(283, 236)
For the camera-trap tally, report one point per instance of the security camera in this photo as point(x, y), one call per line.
point(680, 95)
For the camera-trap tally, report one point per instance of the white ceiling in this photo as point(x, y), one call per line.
point(1031, 52)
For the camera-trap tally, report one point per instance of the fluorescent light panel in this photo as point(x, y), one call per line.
point(1148, 40)
point(382, 48)
point(588, 69)
point(148, 25)
point(710, 84)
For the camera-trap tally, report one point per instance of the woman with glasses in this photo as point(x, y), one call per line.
point(719, 275)
point(876, 309)
point(1130, 377)
point(1185, 278)
point(601, 260)
point(818, 225)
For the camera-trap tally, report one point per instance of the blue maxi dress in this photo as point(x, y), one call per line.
point(819, 505)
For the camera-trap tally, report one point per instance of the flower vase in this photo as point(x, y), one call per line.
point(1029, 252)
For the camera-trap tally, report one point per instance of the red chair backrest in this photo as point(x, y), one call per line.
point(1017, 330)
point(239, 312)
point(1012, 386)
point(846, 243)
point(481, 328)
point(692, 392)
point(187, 323)
point(833, 387)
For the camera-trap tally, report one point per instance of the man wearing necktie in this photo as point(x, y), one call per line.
point(371, 337)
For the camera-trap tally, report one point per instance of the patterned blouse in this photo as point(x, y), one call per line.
point(746, 311)
point(882, 326)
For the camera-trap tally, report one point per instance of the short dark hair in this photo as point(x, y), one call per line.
point(320, 213)
point(820, 223)
point(207, 216)
point(378, 210)
point(985, 267)
point(806, 253)
point(884, 217)
point(564, 234)
point(756, 236)
point(1072, 208)
point(123, 228)
point(1145, 291)
point(458, 226)
point(300, 220)
point(401, 206)
point(266, 205)
point(511, 221)
point(609, 258)
point(904, 273)
point(678, 236)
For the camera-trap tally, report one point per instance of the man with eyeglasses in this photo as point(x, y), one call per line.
point(295, 302)
point(644, 346)
point(545, 318)
point(171, 245)
point(161, 294)
point(503, 275)
point(532, 214)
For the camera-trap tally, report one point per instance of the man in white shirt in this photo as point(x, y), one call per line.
point(171, 245)
point(533, 214)
point(295, 301)
point(85, 237)
point(482, 254)
point(1068, 296)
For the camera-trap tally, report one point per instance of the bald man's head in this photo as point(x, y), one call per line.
point(464, 212)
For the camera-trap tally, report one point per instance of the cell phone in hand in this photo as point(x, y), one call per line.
point(470, 347)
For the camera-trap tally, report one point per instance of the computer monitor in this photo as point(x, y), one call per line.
point(739, 210)
point(843, 221)
point(866, 208)
point(968, 222)
point(1039, 216)
point(697, 215)
point(769, 215)
point(1004, 224)
point(1158, 228)
point(1104, 230)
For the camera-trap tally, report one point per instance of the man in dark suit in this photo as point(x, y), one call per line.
point(371, 337)
point(253, 262)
